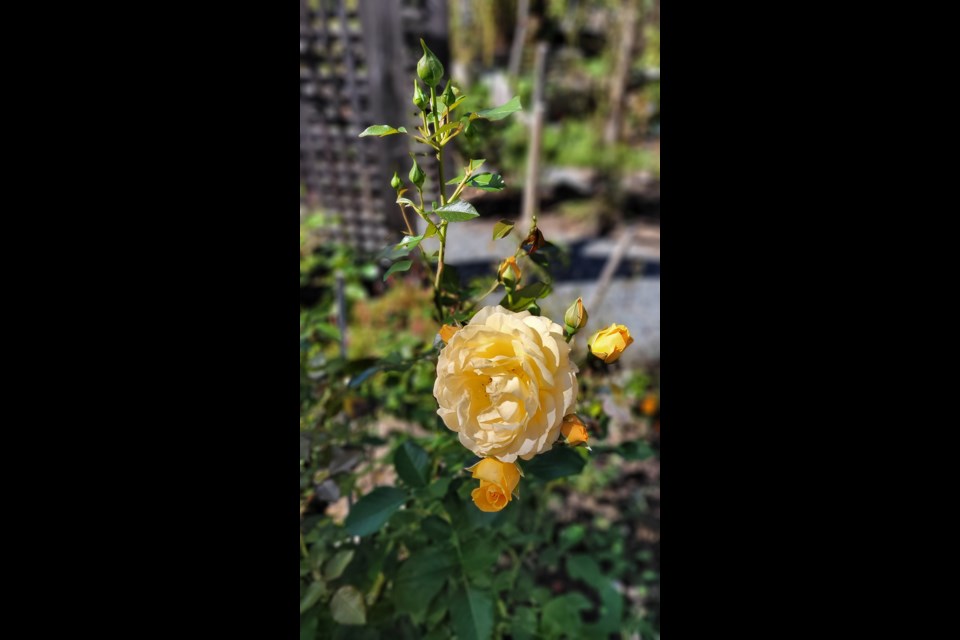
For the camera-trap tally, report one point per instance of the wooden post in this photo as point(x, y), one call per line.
point(618, 83)
point(519, 38)
point(613, 262)
point(532, 186)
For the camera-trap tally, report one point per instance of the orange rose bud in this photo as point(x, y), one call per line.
point(649, 404)
point(509, 263)
point(498, 481)
point(607, 344)
point(447, 331)
point(574, 430)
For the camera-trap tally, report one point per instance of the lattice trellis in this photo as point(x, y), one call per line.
point(357, 61)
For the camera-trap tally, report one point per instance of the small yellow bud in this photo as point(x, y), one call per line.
point(608, 344)
point(504, 275)
point(576, 317)
point(574, 430)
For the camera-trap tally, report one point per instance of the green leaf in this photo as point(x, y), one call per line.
point(525, 298)
point(410, 242)
point(347, 606)
point(456, 103)
point(391, 252)
point(479, 558)
point(581, 567)
point(439, 487)
point(556, 463)
point(314, 592)
point(636, 450)
point(611, 612)
point(308, 628)
point(431, 230)
point(476, 164)
point(381, 130)
point(487, 182)
point(413, 464)
point(327, 330)
point(523, 625)
point(373, 510)
point(437, 528)
point(536, 290)
point(406, 201)
point(561, 615)
point(447, 127)
point(501, 112)
point(471, 611)
point(335, 566)
point(458, 211)
point(420, 578)
point(396, 267)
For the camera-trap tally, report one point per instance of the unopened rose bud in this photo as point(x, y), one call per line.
point(509, 272)
point(448, 97)
point(429, 68)
point(574, 430)
point(576, 317)
point(395, 181)
point(419, 99)
point(417, 176)
point(607, 344)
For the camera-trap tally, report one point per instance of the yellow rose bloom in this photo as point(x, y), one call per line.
point(607, 344)
point(504, 383)
point(498, 481)
point(574, 430)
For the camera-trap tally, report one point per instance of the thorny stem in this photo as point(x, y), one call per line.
point(442, 234)
point(442, 229)
point(423, 253)
point(403, 212)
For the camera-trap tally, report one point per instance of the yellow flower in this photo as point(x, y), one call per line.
point(607, 344)
point(574, 430)
point(498, 481)
point(504, 383)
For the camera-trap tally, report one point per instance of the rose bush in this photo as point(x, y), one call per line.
point(505, 382)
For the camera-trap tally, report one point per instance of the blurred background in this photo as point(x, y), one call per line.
point(597, 182)
point(583, 156)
